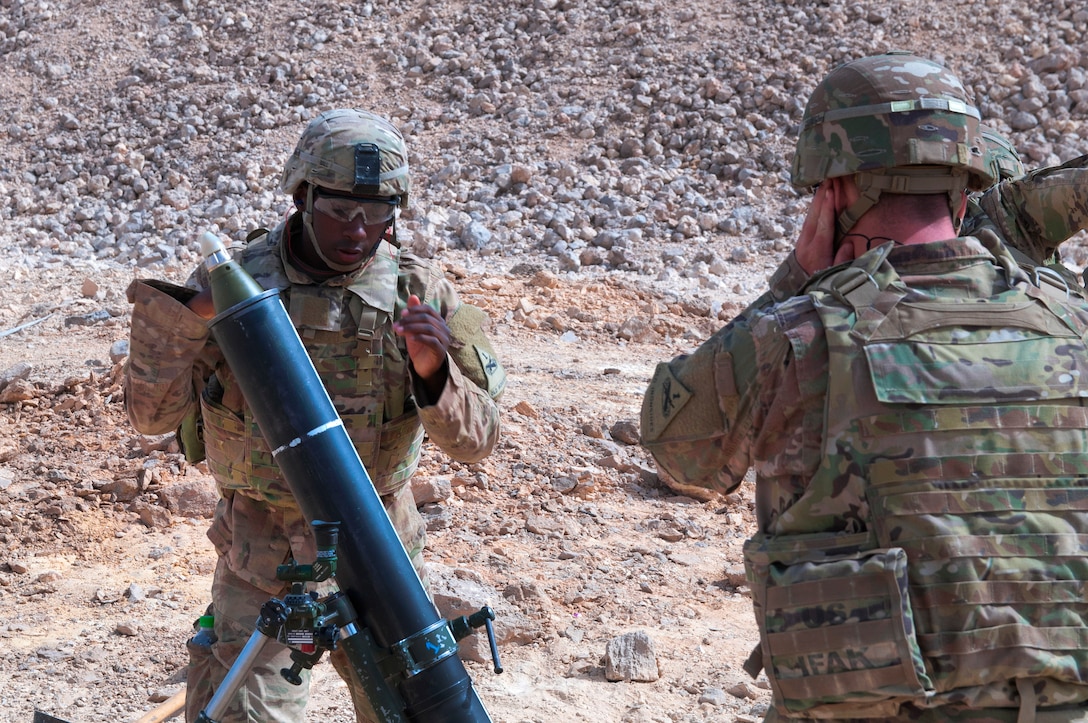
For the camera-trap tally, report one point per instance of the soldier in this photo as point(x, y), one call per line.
point(914, 419)
point(1033, 213)
point(399, 353)
point(1002, 156)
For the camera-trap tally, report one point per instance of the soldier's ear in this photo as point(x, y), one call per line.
point(300, 195)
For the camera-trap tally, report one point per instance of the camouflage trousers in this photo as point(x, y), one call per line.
point(953, 714)
point(265, 696)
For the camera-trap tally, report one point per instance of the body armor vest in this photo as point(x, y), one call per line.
point(348, 334)
point(954, 431)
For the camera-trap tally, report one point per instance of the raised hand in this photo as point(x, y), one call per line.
point(816, 248)
point(428, 339)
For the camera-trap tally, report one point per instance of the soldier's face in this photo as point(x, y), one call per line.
point(347, 228)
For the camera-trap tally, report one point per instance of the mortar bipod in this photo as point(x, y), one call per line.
point(309, 626)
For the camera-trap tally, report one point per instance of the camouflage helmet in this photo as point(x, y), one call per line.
point(889, 111)
point(897, 122)
point(1001, 156)
point(353, 151)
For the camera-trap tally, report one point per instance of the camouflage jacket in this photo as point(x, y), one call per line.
point(1034, 214)
point(346, 326)
point(914, 500)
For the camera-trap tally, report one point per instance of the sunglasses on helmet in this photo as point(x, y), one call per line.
point(347, 208)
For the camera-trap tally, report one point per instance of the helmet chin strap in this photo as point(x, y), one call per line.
point(918, 181)
point(311, 237)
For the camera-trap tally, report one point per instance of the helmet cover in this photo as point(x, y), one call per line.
point(890, 111)
point(353, 151)
point(1001, 156)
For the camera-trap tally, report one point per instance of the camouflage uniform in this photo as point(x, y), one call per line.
point(1036, 212)
point(915, 420)
point(843, 507)
point(345, 323)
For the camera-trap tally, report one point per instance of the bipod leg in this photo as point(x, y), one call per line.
point(271, 620)
point(237, 674)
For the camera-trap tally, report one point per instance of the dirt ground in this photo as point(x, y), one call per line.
point(100, 581)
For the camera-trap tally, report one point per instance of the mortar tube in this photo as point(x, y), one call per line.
point(329, 482)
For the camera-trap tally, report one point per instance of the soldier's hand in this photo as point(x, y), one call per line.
point(816, 249)
point(428, 338)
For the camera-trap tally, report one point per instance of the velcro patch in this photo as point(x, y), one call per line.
point(316, 307)
point(665, 397)
point(493, 371)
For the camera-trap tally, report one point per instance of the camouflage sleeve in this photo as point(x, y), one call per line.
point(166, 341)
point(1039, 211)
point(697, 413)
point(975, 218)
point(464, 420)
point(787, 280)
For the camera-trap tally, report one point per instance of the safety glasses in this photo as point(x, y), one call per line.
point(345, 209)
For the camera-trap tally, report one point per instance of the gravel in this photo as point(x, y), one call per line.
point(643, 139)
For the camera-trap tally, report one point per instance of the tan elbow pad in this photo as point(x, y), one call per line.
point(685, 400)
point(472, 350)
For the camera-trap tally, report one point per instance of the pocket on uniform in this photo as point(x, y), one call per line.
point(837, 630)
point(200, 677)
point(398, 452)
point(400, 436)
point(224, 441)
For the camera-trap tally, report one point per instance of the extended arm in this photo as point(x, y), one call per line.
point(166, 345)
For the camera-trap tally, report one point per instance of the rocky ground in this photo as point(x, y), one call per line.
point(608, 179)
